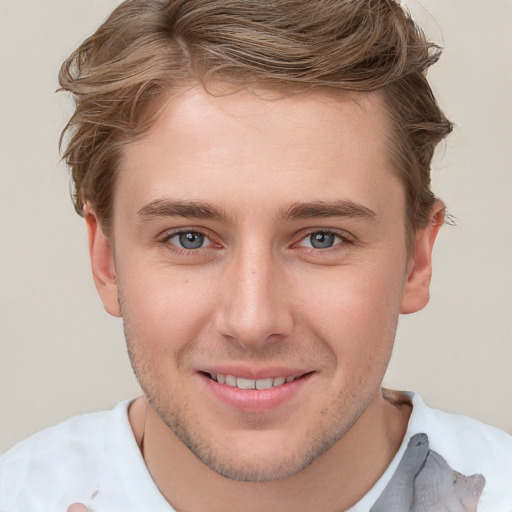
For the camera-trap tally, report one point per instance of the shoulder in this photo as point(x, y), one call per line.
point(471, 442)
point(87, 430)
point(469, 447)
point(72, 453)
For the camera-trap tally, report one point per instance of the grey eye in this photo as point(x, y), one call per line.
point(321, 240)
point(190, 240)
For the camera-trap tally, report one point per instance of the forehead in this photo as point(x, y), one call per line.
point(251, 147)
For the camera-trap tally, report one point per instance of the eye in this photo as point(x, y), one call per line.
point(189, 240)
point(321, 240)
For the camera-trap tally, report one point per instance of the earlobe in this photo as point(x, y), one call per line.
point(419, 272)
point(102, 262)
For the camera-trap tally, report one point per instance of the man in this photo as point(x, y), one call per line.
point(255, 181)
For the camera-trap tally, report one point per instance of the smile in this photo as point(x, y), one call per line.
point(242, 383)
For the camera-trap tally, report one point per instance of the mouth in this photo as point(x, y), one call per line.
point(240, 392)
point(259, 384)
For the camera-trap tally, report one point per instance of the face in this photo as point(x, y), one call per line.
point(259, 257)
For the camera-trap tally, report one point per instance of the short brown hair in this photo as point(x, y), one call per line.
point(147, 48)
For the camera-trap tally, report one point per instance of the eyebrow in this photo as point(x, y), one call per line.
point(297, 211)
point(323, 209)
point(188, 209)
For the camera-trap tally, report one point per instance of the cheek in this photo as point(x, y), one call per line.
point(356, 308)
point(164, 308)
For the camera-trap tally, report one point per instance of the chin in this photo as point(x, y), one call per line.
point(257, 455)
point(253, 468)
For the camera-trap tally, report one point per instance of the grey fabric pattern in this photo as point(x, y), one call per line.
point(424, 482)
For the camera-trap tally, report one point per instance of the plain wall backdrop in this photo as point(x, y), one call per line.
point(61, 354)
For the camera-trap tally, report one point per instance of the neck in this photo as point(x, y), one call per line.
point(335, 481)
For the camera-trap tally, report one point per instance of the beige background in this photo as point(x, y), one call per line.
point(61, 355)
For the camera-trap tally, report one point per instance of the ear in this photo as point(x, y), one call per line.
point(102, 262)
point(419, 269)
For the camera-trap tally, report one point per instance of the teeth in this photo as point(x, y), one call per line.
point(240, 382)
point(231, 381)
point(279, 381)
point(264, 383)
point(245, 383)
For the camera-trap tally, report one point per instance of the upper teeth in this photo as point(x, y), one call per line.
point(239, 382)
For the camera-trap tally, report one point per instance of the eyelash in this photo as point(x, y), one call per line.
point(166, 239)
point(342, 239)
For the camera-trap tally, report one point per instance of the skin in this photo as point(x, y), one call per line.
point(257, 294)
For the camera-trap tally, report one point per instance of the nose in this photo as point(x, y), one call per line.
point(255, 306)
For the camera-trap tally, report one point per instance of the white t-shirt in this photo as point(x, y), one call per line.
point(94, 459)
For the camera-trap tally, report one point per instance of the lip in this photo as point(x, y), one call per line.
point(256, 373)
point(255, 400)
